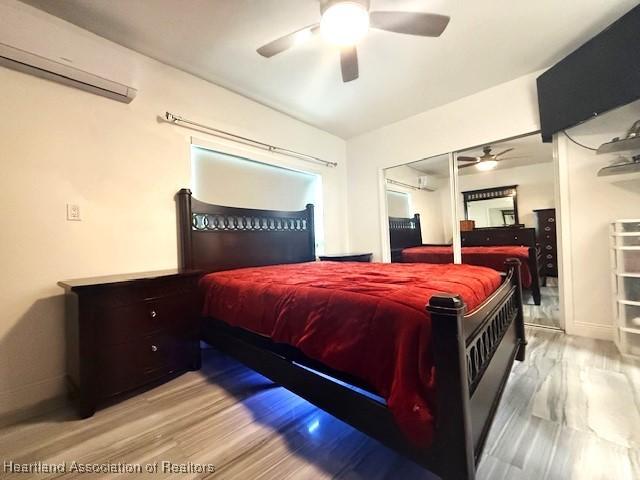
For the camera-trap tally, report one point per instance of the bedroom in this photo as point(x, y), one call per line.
point(122, 164)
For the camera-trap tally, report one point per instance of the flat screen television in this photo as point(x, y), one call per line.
point(602, 74)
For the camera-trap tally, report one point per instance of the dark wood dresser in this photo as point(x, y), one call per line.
point(546, 232)
point(127, 331)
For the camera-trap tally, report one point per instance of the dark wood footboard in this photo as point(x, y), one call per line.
point(473, 354)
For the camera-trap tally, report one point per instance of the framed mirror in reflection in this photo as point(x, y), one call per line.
point(492, 207)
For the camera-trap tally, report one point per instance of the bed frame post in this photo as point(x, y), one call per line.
point(453, 441)
point(514, 264)
point(416, 219)
point(311, 230)
point(535, 275)
point(184, 225)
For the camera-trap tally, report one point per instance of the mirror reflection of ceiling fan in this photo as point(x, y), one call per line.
point(345, 22)
point(487, 161)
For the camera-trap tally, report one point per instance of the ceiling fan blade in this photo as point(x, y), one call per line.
point(410, 23)
point(468, 159)
point(288, 41)
point(511, 158)
point(349, 64)
point(502, 153)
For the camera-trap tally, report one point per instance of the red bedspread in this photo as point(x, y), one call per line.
point(492, 257)
point(365, 319)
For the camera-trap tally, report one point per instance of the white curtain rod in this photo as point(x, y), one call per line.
point(237, 138)
point(402, 184)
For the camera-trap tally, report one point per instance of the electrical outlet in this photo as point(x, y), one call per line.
point(73, 212)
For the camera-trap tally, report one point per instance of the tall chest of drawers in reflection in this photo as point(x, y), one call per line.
point(546, 231)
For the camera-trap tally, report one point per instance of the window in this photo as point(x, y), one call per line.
point(224, 179)
point(398, 204)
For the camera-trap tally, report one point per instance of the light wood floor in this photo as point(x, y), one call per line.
point(570, 411)
point(547, 314)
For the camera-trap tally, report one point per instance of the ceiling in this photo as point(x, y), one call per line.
point(487, 42)
point(527, 151)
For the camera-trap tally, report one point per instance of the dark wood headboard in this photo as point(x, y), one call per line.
point(214, 238)
point(405, 232)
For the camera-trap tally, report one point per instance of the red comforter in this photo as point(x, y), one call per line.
point(365, 319)
point(492, 257)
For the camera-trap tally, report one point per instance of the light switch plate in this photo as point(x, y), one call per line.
point(73, 212)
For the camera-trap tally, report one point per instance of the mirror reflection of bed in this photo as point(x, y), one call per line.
point(506, 209)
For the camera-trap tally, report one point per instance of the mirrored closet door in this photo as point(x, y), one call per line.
point(419, 209)
point(507, 197)
point(503, 207)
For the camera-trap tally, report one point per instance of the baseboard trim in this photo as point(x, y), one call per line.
point(32, 400)
point(592, 330)
point(35, 410)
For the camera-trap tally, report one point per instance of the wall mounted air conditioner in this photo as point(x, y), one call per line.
point(43, 67)
point(425, 182)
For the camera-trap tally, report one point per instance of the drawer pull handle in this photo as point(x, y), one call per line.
point(549, 265)
point(549, 256)
point(549, 247)
point(551, 220)
point(547, 229)
point(153, 314)
point(154, 348)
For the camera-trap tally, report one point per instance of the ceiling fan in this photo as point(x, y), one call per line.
point(345, 22)
point(486, 161)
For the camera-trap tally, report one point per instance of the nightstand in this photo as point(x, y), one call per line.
point(346, 257)
point(127, 331)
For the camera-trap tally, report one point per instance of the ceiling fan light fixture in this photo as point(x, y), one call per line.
point(486, 165)
point(344, 23)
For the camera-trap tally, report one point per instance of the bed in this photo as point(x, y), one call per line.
point(489, 247)
point(471, 352)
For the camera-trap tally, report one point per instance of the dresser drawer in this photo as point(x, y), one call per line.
point(129, 365)
point(124, 323)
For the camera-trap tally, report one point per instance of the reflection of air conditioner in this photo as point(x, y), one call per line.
point(426, 183)
point(43, 67)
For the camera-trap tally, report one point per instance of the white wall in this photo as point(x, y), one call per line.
point(426, 203)
point(123, 167)
point(504, 111)
point(592, 203)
